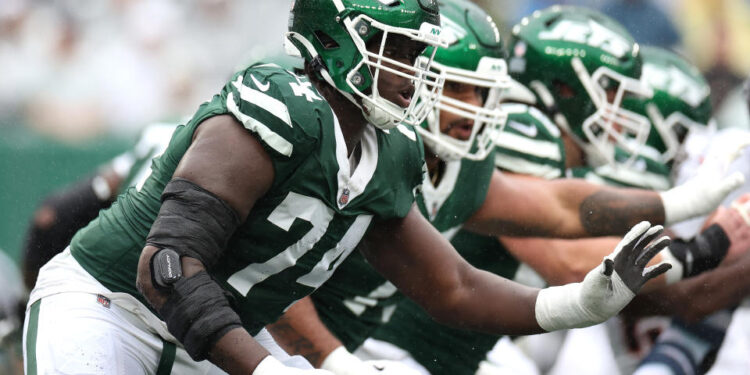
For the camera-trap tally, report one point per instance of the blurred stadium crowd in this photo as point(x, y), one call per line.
point(75, 71)
point(78, 69)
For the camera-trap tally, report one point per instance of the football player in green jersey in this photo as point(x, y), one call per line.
point(273, 183)
point(356, 300)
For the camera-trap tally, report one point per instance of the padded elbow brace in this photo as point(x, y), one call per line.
point(197, 224)
point(702, 253)
point(193, 221)
point(198, 314)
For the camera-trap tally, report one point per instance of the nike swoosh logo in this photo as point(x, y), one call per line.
point(379, 368)
point(527, 130)
point(260, 86)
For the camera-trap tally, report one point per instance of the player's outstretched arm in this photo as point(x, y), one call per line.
point(423, 265)
point(219, 179)
point(570, 208)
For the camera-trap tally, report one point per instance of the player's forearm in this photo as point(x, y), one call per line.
point(237, 352)
point(695, 298)
point(610, 211)
point(560, 261)
point(490, 304)
point(300, 332)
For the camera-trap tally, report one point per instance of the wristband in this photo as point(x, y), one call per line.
point(702, 253)
point(584, 304)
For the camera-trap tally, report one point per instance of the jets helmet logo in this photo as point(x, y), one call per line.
point(591, 33)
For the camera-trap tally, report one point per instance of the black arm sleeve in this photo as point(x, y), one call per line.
point(702, 253)
point(65, 211)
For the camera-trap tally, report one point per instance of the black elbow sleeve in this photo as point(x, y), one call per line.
point(702, 253)
point(193, 221)
point(198, 314)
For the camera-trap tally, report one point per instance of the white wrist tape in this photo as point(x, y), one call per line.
point(675, 273)
point(341, 362)
point(269, 366)
point(583, 304)
point(697, 197)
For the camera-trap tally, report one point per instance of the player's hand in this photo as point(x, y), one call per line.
point(735, 222)
point(272, 366)
point(707, 189)
point(387, 367)
point(628, 261)
point(607, 288)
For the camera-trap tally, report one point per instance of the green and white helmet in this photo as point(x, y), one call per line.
point(681, 101)
point(474, 56)
point(332, 35)
point(572, 58)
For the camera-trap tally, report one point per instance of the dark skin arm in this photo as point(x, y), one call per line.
point(300, 331)
point(519, 205)
point(423, 265)
point(228, 161)
point(695, 298)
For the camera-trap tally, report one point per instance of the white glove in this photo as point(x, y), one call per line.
point(388, 367)
point(272, 366)
point(704, 192)
point(607, 288)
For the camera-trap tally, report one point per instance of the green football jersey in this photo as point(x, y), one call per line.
point(357, 299)
point(530, 144)
point(152, 142)
point(311, 218)
point(643, 172)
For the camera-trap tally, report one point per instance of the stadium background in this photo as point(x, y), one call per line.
point(79, 79)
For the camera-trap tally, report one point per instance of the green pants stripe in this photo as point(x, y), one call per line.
point(31, 332)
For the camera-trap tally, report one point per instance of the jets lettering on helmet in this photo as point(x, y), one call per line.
point(676, 83)
point(590, 33)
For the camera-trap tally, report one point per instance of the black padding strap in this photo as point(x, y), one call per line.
point(702, 253)
point(193, 221)
point(198, 314)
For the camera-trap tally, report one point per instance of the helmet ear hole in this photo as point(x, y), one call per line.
point(325, 40)
point(564, 91)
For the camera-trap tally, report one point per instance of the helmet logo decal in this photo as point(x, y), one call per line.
point(453, 31)
point(389, 2)
point(675, 82)
point(592, 34)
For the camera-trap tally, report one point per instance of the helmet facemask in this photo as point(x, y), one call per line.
point(378, 110)
point(611, 125)
point(488, 119)
point(673, 130)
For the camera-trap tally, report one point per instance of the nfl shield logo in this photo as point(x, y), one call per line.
point(344, 199)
